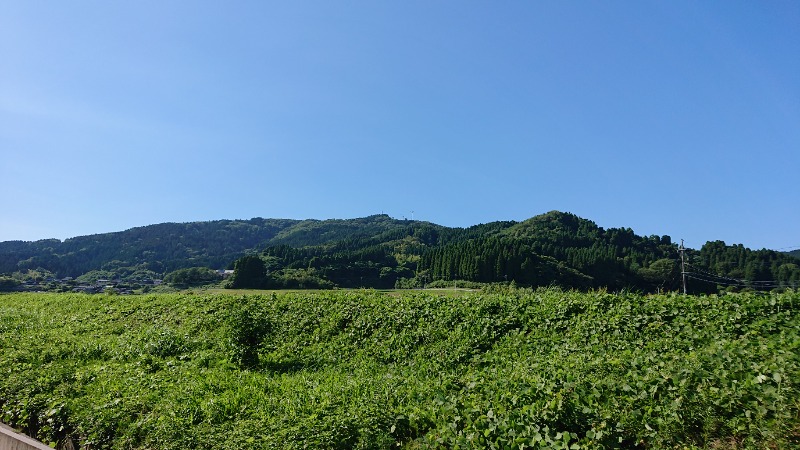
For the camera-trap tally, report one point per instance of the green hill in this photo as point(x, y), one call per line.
point(550, 249)
point(160, 248)
point(555, 248)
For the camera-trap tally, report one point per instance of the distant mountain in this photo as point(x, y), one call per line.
point(161, 248)
point(553, 248)
point(795, 253)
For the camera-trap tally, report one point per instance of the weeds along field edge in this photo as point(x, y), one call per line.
point(511, 368)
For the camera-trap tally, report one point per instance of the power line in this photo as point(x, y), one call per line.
point(745, 284)
point(714, 282)
point(702, 275)
point(738, 280)
point(699, 274)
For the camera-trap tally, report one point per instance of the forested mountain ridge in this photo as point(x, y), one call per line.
point(169, 246)
point(379, 251)
point(559, 245)
point(159, 248)
point(553, 248)
point(313, 232)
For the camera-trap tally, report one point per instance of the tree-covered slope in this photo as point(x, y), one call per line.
point(718, 265)
point(553, 248)
point(378, 251)
point(169, 246)
point(538, 249)
point(163, 247)
point(379, 227)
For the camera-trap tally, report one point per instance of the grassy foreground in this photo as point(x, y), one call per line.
point(508, 369)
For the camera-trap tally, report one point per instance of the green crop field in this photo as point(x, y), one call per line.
point(507, 369)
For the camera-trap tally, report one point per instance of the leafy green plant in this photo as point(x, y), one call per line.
point(511, 368)
point(248, 325)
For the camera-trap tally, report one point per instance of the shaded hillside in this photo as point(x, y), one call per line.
point(550, 249)
point(378, 251)
point(161, 248)
point(378, 228)
point(553, 248)
point(169, 246)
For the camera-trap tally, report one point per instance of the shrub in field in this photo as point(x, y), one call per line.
point(248, 325)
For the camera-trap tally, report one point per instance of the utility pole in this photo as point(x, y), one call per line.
point(682, 250)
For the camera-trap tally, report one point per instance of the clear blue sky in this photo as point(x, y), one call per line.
point(678, 118)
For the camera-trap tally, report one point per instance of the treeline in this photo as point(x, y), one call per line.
point(551, 249)
point(161, 248)
point(374, 251)
point(489, 260)
point(167, 247)
point(718, 266)
point(377, 251)
point(559, 248)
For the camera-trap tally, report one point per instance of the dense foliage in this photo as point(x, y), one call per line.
point(377, 251)
point(192, 276)
point(503, 369)
point(551, 249)
point(719, 266)
point(160, 248)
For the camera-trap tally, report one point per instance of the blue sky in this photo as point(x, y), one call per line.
point(678, 118)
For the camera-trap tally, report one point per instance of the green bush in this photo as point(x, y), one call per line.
point(8, 284)
point(299, 279)
point(192, 276)
point(247, 326)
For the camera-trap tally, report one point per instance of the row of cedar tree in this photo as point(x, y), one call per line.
point(551, 249)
